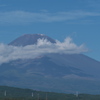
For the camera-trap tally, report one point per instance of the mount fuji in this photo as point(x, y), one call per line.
point(54, 72)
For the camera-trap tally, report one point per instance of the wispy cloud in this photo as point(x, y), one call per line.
point(22, 17)
point(8, 53)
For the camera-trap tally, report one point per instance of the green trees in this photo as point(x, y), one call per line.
point(11, 93)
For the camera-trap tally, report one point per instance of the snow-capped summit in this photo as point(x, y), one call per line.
point(29, 39)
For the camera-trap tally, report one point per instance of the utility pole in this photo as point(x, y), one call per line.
point(5, 93)
point(76, 94)
point(32, 94)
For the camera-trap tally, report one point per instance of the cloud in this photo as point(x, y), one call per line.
point(22, 17)
point(9, 53)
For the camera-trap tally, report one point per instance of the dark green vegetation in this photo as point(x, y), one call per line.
point(11, 93)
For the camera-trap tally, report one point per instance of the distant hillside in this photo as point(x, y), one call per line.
point(12, 93)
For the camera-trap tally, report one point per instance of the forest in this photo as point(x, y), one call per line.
point(13, 93)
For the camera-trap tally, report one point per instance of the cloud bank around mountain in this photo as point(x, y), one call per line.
point(9, 53)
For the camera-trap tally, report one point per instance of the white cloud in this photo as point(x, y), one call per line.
point(8, 53)
point(22, 17)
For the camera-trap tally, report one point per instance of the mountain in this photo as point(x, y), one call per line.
point(29, 39)
point(51, 72)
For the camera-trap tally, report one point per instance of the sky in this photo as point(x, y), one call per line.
point(58, 19)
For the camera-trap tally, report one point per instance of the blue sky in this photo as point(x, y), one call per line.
point(79, 19)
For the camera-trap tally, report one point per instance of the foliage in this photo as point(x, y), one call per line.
point(11, 93)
